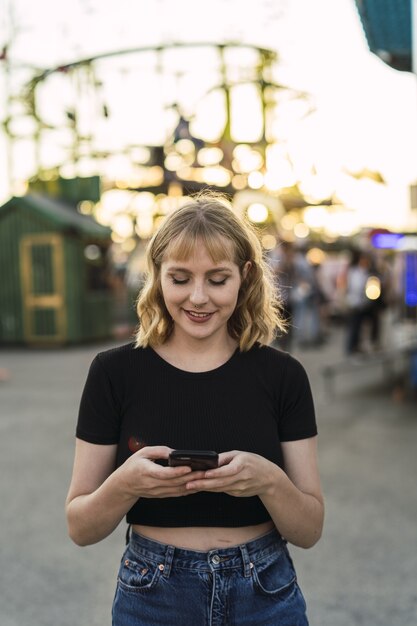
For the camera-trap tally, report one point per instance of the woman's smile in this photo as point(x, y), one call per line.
point(196, 316)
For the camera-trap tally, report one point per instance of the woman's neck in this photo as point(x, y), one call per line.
point(196, 356)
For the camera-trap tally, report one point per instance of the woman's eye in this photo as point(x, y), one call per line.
point(179, 281)
point(218, 282)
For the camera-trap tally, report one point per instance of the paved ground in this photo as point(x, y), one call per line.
point(363, 571)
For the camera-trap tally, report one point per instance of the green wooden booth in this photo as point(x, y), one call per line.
point(53, 268)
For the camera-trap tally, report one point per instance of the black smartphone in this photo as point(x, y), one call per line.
point(196, 459)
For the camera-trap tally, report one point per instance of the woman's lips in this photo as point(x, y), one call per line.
point(197, 316)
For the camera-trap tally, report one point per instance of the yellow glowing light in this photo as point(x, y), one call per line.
point(140, 154)
point(169, 203)
point(255, 180)
point(316, 256)
point(239, 181)
point(175, 190)
point(122, 225)
point(129, 245)
point(122, 184)
point(209, 156)
point(102, 214)
point(246, 120)
point(316, 188)
point(173, 162)
point(268, 242)
point(257, 213)
point(116, 200)
point(246, 159)
point(289, 221)
point(86, 207)
point(301, 230)
point(144, 225)
point(216, 176)
point(315, 216)
point(341, 222)
point(154, 176)
point(143, 202)
point(117, 167)
point(187, 173)
point(280, 172)
point(185, 147)
point(67, 170)
point(373, 288)
point(116, 237)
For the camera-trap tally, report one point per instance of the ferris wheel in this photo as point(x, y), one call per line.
point(139, 107)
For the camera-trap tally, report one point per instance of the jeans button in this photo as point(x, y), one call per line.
point(215, 559)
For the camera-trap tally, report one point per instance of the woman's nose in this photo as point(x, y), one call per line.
point(198, 295)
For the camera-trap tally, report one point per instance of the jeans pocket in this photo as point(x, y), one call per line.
point(274, 576)
point(137, 573)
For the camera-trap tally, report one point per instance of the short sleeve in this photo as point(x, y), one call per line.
point(297, 415)
point(99, 412)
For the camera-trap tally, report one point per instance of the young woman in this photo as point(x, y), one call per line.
point(206, 547)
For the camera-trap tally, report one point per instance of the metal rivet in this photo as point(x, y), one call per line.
point(144, 571)
point(251, 565)
point(161, 567)
point(215, 559)
point(127, 562)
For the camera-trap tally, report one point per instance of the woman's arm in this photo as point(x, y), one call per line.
point(293, 498)
point(94, 505)
point(100, 495)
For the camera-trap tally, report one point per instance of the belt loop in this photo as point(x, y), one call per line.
point(169, 556)
point(247, 565)
point(128, 533)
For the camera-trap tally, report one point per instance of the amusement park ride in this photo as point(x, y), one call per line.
point(192, 97)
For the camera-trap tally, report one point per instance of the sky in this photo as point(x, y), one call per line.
point(365, 112)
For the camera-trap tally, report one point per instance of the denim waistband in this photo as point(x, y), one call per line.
point(238, 556)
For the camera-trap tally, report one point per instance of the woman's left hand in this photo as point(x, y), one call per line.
point(241, 474)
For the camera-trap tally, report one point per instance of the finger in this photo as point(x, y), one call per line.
point(169, 473)
point(154, 452)
point(208, 485)
point(167, 492)
point(222, 472)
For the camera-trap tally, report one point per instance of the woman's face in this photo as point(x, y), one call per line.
point(200, 295)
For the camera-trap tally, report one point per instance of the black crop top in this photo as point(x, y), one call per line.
point(133, 398)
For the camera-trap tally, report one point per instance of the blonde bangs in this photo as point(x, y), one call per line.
point(189, 242)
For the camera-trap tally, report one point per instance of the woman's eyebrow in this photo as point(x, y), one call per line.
point(187, 271)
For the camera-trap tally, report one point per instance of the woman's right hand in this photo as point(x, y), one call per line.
point(143, 478)
point(100, 495)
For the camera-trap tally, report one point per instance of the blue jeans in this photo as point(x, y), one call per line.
point(253, 584)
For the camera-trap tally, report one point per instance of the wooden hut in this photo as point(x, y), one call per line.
point(53, 267)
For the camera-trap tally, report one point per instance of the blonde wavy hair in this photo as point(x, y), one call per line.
point(208, 219)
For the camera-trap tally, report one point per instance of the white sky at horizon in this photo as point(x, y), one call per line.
point(366, 112)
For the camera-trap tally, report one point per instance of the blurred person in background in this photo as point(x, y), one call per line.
point(204, 546)
point(363, 307)
point(298, 286)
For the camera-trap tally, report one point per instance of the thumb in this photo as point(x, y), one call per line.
point(227, 457)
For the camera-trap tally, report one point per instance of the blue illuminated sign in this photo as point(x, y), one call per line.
point(387, 241)
point(411, 279)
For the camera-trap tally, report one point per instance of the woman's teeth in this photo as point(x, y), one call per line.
point(194, 314)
